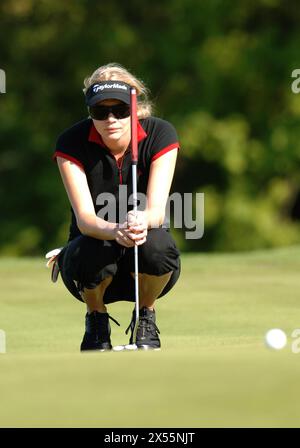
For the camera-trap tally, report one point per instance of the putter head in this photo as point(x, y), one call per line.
point(131, 347)
point(128, 347)
point(118, 348)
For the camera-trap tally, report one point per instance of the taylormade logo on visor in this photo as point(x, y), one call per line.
point(115, 85)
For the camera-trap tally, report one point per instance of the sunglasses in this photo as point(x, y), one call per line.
point(119, 111)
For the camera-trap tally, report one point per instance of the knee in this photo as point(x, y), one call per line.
point(159, 254)
point(92, 250)
point(90, 254)
point(89, 245)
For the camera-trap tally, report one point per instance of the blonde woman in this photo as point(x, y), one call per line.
point(93, 157)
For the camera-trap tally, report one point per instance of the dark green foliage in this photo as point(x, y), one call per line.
point(220, 70)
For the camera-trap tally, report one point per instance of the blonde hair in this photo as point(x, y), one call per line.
point(116, 72)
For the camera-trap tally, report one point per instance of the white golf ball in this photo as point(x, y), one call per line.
point(276, 338)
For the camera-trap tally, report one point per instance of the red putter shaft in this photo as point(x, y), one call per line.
point(133, 114)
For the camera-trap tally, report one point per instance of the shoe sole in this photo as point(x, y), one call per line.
point(96, 350)
point(148, 347)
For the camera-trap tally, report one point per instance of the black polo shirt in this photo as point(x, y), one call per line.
point(83, 145)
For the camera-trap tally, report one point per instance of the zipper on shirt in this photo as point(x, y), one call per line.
point(120, 165)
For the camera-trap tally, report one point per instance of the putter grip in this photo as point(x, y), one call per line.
point(133, 116)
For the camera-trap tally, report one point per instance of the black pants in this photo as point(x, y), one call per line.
point(85, 262)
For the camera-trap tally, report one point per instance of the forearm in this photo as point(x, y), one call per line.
point(155, 217)
point(92, 225)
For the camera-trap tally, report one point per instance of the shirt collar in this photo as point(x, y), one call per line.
point(95, 137)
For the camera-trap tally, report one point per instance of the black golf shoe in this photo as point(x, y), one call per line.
point(97, 332)
point(147, 332)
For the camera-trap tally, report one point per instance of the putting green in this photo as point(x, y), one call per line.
point(213, 370)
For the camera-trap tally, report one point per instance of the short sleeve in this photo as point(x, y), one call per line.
point(165, 139)
point(69, 145)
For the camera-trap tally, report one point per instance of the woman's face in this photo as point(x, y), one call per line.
point(112, 129)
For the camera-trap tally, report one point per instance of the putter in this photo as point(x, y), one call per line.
point(134, 160)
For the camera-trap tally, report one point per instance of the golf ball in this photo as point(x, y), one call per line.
point(276, 338)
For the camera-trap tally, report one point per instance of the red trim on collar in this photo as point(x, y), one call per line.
point(141, 133)
point(95, 137)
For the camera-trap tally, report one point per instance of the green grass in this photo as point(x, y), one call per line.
point(213, 370)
